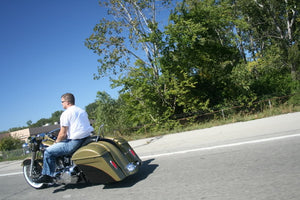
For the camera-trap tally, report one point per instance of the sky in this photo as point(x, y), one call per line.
point(42, 56)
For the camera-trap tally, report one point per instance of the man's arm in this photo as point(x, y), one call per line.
point(62, 134)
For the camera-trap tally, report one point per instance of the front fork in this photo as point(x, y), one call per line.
point(33, 156)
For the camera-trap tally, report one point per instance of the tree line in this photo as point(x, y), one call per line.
point(208, 55)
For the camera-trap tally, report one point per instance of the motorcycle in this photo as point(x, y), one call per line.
point(99, 160)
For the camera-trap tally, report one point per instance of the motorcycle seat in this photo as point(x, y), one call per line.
point(89, 140)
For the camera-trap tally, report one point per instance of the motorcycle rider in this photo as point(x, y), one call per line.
point(74, 128)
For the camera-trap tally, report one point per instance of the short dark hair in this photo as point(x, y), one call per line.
point(69, 97)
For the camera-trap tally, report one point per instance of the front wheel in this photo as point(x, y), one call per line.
point(36, 172)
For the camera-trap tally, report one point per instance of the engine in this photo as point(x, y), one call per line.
point(66, 171)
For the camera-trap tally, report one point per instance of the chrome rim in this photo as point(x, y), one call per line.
point(26, 172)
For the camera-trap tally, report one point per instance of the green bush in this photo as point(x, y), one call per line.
point(10, 143)
point(295, 100)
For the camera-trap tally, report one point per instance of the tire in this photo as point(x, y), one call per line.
point(36, 172)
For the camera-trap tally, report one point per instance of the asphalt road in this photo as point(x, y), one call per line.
point(257, 160)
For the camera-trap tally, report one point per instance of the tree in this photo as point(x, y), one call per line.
point(137, 20)
point(29, 123)
point(42, 122)
point(128, 45)
point(200, 55)
point(55, 117)
point(10, 143)
point(272, 24)
point(91, 110)
point(108, 113)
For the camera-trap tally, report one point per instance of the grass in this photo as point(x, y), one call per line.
point(217, 121)
point(17, 154)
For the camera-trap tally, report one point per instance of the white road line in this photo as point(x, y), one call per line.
point(221, 146)
point(201, 149)
point(11, 174)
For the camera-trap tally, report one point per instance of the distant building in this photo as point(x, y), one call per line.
point(25, 133)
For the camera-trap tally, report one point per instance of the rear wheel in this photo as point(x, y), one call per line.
point(36, 172)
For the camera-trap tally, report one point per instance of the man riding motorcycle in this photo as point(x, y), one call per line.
point(75, 127)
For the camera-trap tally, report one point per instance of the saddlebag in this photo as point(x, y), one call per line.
point(106, 160)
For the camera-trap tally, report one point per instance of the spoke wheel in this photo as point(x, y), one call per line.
point(36, 172)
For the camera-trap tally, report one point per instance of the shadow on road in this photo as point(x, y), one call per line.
point(145, 170)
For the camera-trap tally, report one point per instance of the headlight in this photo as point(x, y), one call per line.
point(26, 148)
point(25, 145)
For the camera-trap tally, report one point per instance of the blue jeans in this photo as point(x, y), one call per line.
point(66, 147)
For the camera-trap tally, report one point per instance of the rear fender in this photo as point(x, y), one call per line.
point(100, 163)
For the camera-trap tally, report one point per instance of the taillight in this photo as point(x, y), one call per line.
point(113, 164)
point(132, 152)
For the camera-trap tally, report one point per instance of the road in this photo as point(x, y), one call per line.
point(257, 160)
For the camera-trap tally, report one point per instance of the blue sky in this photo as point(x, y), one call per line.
point(42, 56)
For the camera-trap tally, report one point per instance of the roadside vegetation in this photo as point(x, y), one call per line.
point(210, 59)
point(10, 147)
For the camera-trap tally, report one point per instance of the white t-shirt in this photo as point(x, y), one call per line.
point(76, 119)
